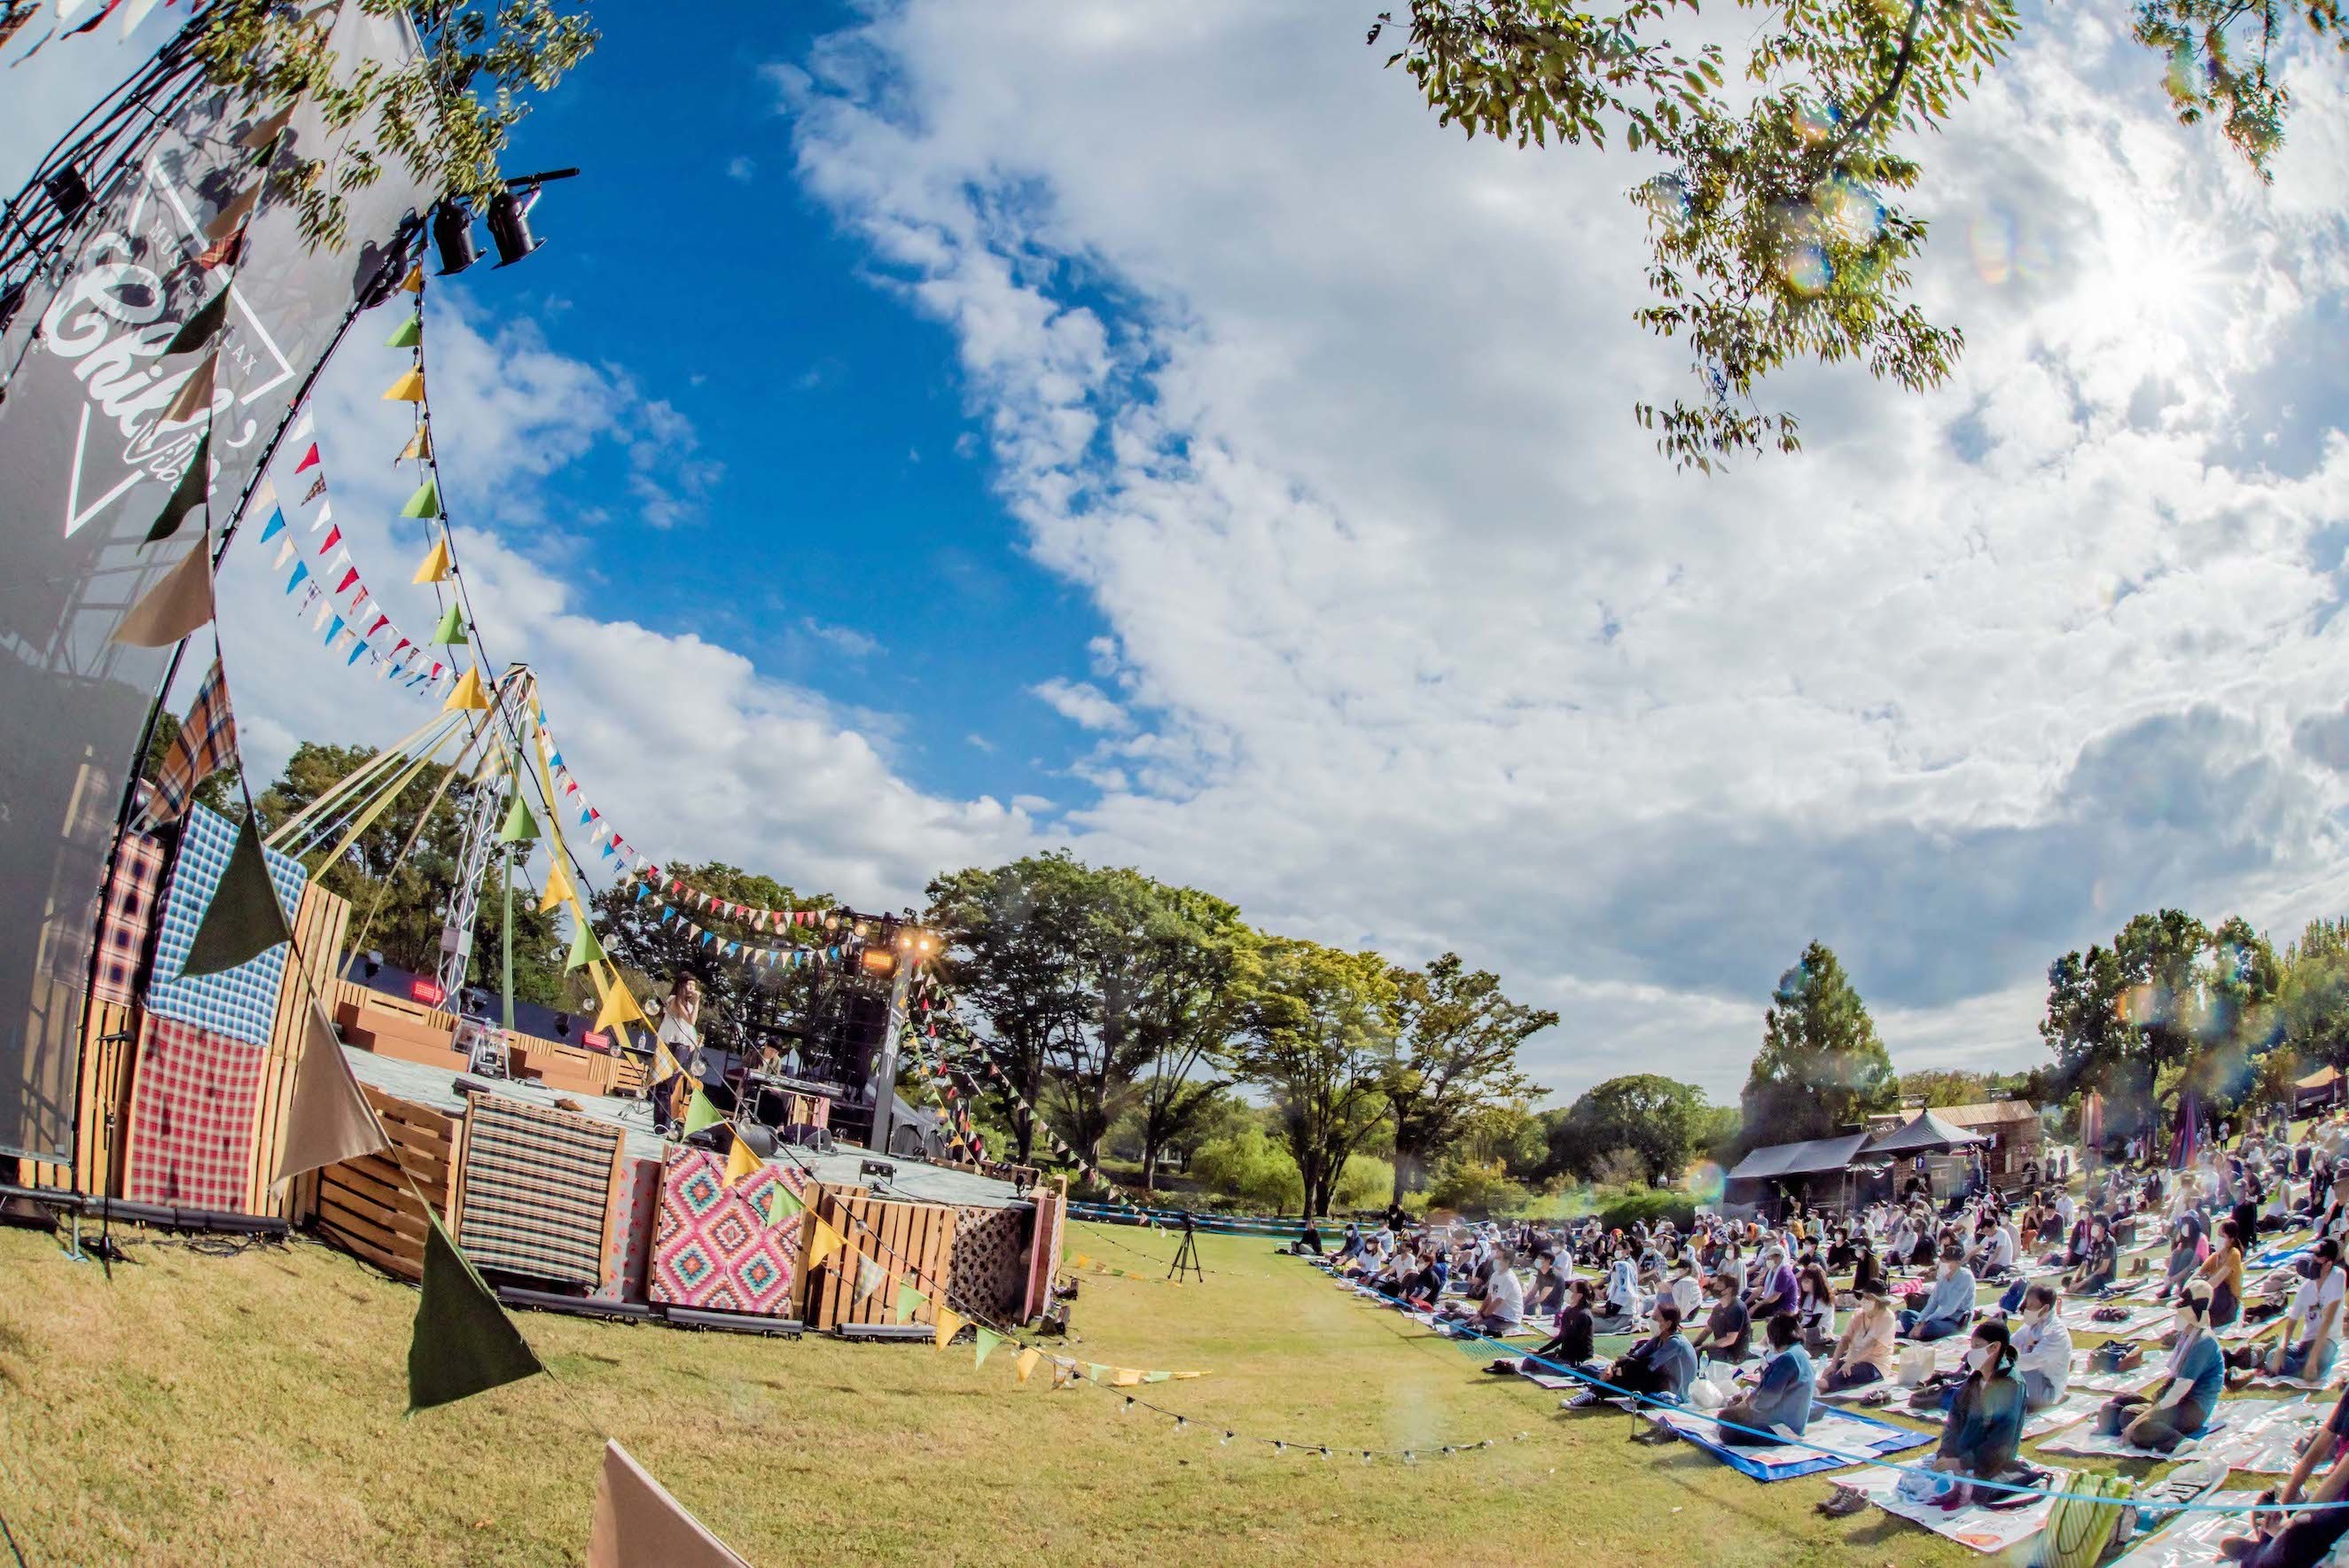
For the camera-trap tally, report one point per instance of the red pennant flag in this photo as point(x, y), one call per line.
point(380, 623)
point(334, 537)
point(348, 578)
point(435, 669)
point(309, 460)
point(403, 643)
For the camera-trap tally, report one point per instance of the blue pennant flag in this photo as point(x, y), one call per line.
point(357, 649)
point(555, 760)
point(708, 938)
point(608, 853)
point(301, 570)
point(642, 890)
point(334, 631)
point(275, 526)
point(583, 818)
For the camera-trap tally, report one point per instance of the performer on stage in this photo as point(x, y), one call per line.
point(678, 1030)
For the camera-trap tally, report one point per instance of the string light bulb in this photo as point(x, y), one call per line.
point(1228, 1440)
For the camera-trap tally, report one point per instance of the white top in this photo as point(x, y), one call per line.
point(1504, 1297)
point(2311, 1297)
point(2044, 1349)
point(2001, 1248)
point(1689, 1296)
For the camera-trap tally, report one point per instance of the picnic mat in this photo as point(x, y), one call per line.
point(2078, 1316)
point(2262, 1436)
point(1983, 1529)
point(1847, 1432)
point(2276, 1254)
point(2192, 1539)
point(2090, 1443)
point(2073, 1408)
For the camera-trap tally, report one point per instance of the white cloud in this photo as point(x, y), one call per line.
point(1329, 412)
point(741, 168)
point(1081, 703)
point(846, 640)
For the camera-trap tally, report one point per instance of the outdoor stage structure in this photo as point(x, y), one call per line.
point(129, 1090)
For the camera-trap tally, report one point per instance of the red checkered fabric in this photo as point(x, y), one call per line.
point(206, 744)
point(128, 921)
point(191, 1118)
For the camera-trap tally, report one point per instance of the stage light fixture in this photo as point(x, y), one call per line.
point(562, 1026)
point(879, 961)
point(374, 963)
point(68, 189)
point(452, 236)
point(510, 225)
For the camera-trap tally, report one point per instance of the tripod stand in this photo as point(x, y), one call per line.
point(1187, 1256)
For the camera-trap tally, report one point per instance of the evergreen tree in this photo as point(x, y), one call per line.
point(1821, 1068)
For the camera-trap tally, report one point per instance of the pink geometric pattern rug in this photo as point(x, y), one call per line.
point(713, 1248)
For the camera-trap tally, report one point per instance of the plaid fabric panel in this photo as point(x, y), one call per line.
point(129, 917)
point(241, 1003)
point(534, 1187)
point(713, 1248)
point(206, 744)
point(191, 1118)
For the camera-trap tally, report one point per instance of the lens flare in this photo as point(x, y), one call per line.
point(1816, 122)
point(1806, 270)
point(1850, 211)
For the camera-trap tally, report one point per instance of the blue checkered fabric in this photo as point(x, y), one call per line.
point(240, 1002)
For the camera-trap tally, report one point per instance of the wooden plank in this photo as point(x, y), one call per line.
point(385, 1226)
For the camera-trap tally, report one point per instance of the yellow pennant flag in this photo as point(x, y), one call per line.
point(949, 1324)
point(1026, 1364)
point(1125, 1377)
point(618, 1008)
point(435, 565)
point(822, 1242)
point(408, 388)
point(1083, 1262)
point(467, 693)
point(740, 1162)
point(414, 282)
point(419, 445)
point(558, 887)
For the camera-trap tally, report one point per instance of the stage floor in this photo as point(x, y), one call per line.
point(916, 1180)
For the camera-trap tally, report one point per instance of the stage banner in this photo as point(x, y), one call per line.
point(89, 454)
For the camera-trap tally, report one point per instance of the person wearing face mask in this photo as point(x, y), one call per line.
point(2178, 1406)
point(1866, 1272)
point(2223, 1273)
point(2312, 1325)
point(1864, 1354)
point(1728, 1334)
point(1781, 1394)
point(1814, 1310)
point(1774, 1291)
point(1661, 1366)
point(2187, 1253)
point(2043, 1350)
point(2100, 1261)
point(1984, 1429)
point(1948, 1307)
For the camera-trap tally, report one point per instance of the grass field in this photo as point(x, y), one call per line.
point(247, 1409)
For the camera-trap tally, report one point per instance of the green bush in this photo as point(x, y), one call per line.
point(1252, 1170)
point(1618, 1210)
point(1366, 1183)
point(1475, 1187)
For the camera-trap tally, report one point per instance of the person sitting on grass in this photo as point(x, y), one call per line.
point(1948, 1307)
point(2100, 1261)
point(1546, 1297)
point(1623, 1287)
point(1984, 1429)
point(2302, 1539)
point(1864, 1354)
point(1868, 1270)
point(1660, 1366)
point(2187, 1253)
point(2180, 1404)
point(1728, 1333)
point(1780, 1402)
point(2043, 1350)
point(1815, 1309)
point(2223, 1273)
point(1570, 1347)
point(1774, 1290)
point(1501, 1310)
point(2311, 1324)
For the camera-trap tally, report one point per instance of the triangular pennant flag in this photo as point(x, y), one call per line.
point(334, 631)
point(1125, 1377)
point(350, 575)
point(638, 1525)
point(425, 502)
point(909, 1300)
point(414, 282)
point(987, 1340)
point(195, 482)
point(199, 328)
point(741, 1161)
point(273, 527)
point(1026, 1364)
point(284, 555)
point(700, 1113)
point(822, 1242)
point(309, 460)
point(452, 628)
point(301, 570)
point(408, 388)
point(782, 1203)
point(1093, 1370)
point(519, 827)
point(419, 445)
point(1157, 1376)
point(334, 537)
point(558, 886)
point(619, 1007)
point(180, 600)
point(407, 333)
point(265, 134)
point(467, 693)
point(231, 218)
point(244, 919)
point(949, 1324)
point(436, 564)
point(328, 1119)
point(869, 1277)
point(464, 1343)
point(585, 948)
point(195, 397)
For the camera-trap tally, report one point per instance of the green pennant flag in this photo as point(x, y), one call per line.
point(195, 481)
point(699, 1113)
point(987, 1340)
point(407, 333)
point(1158, 1377)
point(585, 948)
point(451, 629)
point(244, 919)
point(464, 1343)
point(199, 328)
point(908, 1299)
point(784, 1204)
point(1095, 1370)
point(425, 502)
point(521, 827)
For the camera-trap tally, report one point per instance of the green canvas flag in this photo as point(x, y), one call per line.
point(199, 328)
point(699, 1113)
point(585, 948)
point(987, 1340)
point(187, 494)
point(244, 920)
point(784, 1204)
point(425, 502)
point(407, 333)
point(464, 1343)
point(451, 629)
point(908, 1300)
point(1158, 1377)
point(521, 827)
point(1093, 1370)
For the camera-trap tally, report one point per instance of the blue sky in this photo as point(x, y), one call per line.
point(1161, 397)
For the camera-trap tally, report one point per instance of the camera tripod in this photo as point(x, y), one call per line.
point(1187, 1256)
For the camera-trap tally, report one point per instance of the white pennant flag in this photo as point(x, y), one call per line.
point(285, 554)
point(325, 512)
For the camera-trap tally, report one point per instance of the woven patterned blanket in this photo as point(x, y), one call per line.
point(713, 1248)
point(535, 1184)
point(129, 917)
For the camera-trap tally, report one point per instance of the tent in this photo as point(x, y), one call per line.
point(1928, 1134)
point(1781, 1159)
point(2321, 1088)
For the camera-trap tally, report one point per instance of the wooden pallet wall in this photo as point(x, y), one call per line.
point(364, 1204)
point(913, 1242)
point(319, 925)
